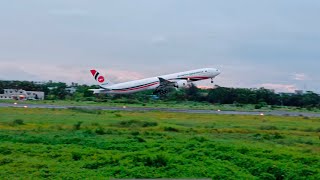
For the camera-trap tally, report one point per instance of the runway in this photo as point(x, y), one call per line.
point(145, 109)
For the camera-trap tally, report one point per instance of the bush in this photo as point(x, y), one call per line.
point(118, 115)
point(140, 139)
point(17, 122)
point(154, 161)
point(4, 161)
point(95, 124)
point(77, 126)
point(268, 127)
point(136, 123)
point(58, 127)
point(101, 162)
point(172, 129)
point(135, 133)
point(200, 139)
point(258, 106)
point(268, 136)
point(100, 131)
point(95, 165)
point(88, 132)
point(5, 151)
point(88, 111)
point(76, 156)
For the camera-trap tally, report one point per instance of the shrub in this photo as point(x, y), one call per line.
point(76, 156)
point(88, 111)
point(268, 127)
point(200, 139)
point(5, 150)
point(268, 136)
point(258, 106)
point(149, 124)
point(95, 124)
point(77, 126)
point(4, 161)
point(136, 123)
point(101, 162)
point(277, 136)
point(157, 161)
point(135, 133)
point(100, 131)
point(140, 139)
point(58, 127)
point(95, 165)
point(16, 122)
point(109, 131)
point(88, 132)
point(172, 129)
point(118, 115)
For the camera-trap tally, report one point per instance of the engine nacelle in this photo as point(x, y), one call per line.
point(182, 84)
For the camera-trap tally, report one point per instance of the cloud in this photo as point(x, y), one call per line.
point(300, 77)
point(45, 72)
point(279, 87)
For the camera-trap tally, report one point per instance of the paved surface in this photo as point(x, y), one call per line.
point(194, 111)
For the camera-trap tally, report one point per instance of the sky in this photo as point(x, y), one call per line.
point(270, 43)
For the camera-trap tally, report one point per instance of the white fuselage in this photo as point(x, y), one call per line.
point(153, 82)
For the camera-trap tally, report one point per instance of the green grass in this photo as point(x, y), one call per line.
point(77, 144)
point(170, 104)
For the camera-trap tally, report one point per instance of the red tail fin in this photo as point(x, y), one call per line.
point(98, 77)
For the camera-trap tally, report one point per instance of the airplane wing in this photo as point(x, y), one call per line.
point(164, 86)
point(164, 82)
point(98, 91)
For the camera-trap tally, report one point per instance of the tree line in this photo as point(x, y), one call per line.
point(220, 95)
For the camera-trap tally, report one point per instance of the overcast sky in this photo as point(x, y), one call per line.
point(270, 43)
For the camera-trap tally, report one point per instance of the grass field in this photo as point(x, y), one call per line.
point(77, 144)
point(169, 104)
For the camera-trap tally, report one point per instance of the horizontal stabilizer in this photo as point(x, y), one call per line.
point(99, 91)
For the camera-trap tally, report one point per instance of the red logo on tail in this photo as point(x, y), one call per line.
point(100, 79)
point(93, 72)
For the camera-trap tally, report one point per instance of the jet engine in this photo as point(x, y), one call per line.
point(182, 84)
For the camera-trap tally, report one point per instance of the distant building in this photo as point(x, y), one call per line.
point(39, 82)
point(299, 92)
point(52, 88)
point(22, 94)
point(71, 90)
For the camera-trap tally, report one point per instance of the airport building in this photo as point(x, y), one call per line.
point(19, 94)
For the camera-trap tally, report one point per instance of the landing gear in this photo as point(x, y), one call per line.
point(212, 80)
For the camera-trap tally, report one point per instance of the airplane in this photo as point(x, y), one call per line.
point(160, 84)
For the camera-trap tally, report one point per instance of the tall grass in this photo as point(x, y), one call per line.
point(76, 144)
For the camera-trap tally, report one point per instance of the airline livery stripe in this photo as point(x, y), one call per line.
point(137, 87)
point(95, 77)
point(195, 77)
